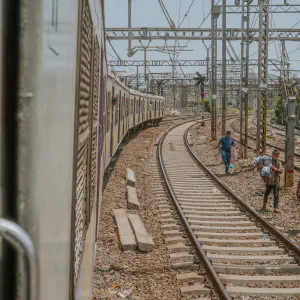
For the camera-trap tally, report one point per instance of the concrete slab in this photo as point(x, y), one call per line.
point(144, 240)
point(125, 232)
point(132, 202)
point(130, 178)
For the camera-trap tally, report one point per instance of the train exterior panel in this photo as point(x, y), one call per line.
point(72, 114)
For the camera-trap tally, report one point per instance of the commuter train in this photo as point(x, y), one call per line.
point(63, 116)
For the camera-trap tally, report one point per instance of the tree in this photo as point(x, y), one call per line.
point(279, 110)
point(207, 104)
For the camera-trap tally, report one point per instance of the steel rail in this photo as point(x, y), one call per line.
point(265, 224)
point(204, 261)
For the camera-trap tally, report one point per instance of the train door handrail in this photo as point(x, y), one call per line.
point(20, 240)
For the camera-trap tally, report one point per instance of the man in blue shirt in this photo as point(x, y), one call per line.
point(225, 144)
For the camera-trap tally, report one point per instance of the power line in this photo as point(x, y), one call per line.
point(187, 13)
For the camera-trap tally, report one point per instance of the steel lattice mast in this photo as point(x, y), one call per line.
point(244, 105)
point(214, 24)
point(290, 114)
point(262, 76)
point(224, 67)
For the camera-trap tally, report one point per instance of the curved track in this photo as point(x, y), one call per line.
point(249, 256)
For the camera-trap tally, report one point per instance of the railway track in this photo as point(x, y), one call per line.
point(241, 253)
point(278, 129)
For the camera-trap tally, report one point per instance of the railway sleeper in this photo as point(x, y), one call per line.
point(179, 247)
point(249, 242)
point(216, 218)
point(255, 269)
point(191, 277)
point(223, 228)
point(190, 212)
point(219, 208)
point(245, 279)
point(181, 257)
point(244, 250)
point(196, 191)
point(195, 290)
point(221, 258)
point(170, 227)
point(228, 235)
point(213, 202)
point(279, 292)
point(224, 223)
point(214, 205)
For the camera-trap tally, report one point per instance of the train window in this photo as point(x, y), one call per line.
point(139, 105)
point(136, 105)
point(129, 105)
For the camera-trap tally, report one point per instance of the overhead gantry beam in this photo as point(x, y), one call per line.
point(182, 63)
point(233, 34)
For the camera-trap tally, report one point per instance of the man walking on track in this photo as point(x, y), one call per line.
point(225, 144)
point(273, 182)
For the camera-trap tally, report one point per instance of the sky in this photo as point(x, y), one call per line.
point(147, 13)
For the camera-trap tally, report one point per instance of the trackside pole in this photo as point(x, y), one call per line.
point(290, 140)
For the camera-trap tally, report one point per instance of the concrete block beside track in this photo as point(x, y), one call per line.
point(144, 240)
point(130, 178)
point(125, 232)
point(133, 202)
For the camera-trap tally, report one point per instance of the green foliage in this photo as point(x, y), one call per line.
point(207, 104)
point(279, 110)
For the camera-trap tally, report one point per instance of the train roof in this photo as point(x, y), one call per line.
point(132, 91)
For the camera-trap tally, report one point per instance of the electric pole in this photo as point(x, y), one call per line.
point(145, 68)
point(244, 103)
point(290, 114)
point(223, 67)
point(214, 22)
point(262, 101)
point(207, 61)
point(173, 81)
point(129, 29)
point(137, 78)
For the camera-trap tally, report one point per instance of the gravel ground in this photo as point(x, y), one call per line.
point(135, 274)
point(246, 182)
